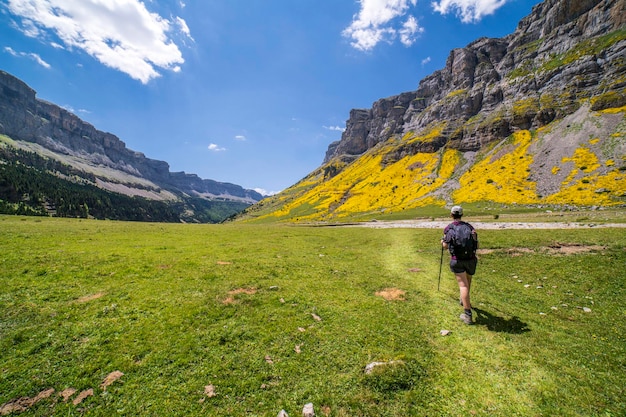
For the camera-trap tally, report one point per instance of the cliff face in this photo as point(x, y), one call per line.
point(534, 118)
point(557, 56)
point(23, 117)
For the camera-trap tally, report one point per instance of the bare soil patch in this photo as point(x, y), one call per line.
point(232, 294)
point(556, 249)
point(87, 298)
point(573, 248)
point(111, 378)
point(391, 294)
point(23, 404)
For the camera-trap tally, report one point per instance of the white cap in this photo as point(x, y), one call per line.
point(457, 211)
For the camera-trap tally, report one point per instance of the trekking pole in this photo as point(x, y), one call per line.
point(440, 264)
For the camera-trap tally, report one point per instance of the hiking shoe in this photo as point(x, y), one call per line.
point(466, 318)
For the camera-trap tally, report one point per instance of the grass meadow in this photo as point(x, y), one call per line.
point(105, 318)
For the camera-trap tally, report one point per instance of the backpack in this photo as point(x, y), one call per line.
point(463, 242)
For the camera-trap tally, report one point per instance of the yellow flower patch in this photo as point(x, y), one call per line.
point(449, 162)
point(584, 159)
point(592, 190)
point(503, 179)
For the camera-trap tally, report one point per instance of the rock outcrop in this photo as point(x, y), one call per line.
point(563, 52)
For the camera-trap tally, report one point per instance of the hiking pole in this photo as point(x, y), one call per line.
point(440, 264)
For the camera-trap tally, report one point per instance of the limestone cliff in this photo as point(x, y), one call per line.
point(534, 118)
point(563, 52)
point(53, 131)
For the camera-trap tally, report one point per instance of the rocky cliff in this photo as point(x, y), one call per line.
point(563, 52)
point(49, 129)
point(534, 118)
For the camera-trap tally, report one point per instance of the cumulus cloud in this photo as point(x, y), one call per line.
point(335, 128)
point(121, 34)
point(30, 55)
point(425, 60)
point(383, 21)
point(216, 148)
point(240, 137)
point(468, 10)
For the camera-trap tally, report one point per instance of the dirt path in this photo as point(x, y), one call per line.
point(423, 224)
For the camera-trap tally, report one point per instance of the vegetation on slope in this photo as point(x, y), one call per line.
point(569, 168)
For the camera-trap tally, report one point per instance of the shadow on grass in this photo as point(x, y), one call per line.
point(499, 324)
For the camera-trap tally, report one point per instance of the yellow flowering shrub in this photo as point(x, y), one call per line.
point(429, 135)
point(592, 190)
point(502, 179)
point(584, 159)
point(449, 162)
point(614, 110)
point(379, 182)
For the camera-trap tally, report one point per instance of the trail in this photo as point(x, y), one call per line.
point(423, 224)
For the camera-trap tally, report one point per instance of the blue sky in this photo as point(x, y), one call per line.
point(249, 92)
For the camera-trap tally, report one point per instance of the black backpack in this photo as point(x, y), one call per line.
point(464, 243)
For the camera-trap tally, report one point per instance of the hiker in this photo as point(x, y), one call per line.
point(461, 239)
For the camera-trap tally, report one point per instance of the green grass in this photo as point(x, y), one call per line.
point(157, 313)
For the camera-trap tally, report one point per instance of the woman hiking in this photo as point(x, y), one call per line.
point(461, 240)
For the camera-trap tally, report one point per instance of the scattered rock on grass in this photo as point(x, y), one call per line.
point(209, 391)
point(307, 411)
point(370, 367)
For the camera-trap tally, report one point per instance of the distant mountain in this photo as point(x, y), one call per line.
point(536, 117)
point(56, 144)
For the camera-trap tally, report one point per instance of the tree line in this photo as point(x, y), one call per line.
point(33, 185)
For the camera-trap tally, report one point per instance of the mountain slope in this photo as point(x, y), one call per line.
point(98, 159)
point(537, 117)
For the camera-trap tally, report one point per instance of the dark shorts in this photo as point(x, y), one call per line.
point(463, 265)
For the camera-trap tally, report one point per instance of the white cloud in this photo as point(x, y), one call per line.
point(30, 55)
point(378, 20)
point(335, 128)
point(264, 192)
point(216, 148)
point(468, 10)
point(240, 137)
point(409, 30)
point(425, 60)
point(121, 34)
point(183, 27)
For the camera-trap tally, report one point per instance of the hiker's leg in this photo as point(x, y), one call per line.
point(464, 287)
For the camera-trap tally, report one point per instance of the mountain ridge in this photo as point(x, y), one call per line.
point(551, 95)
point(44, 127)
